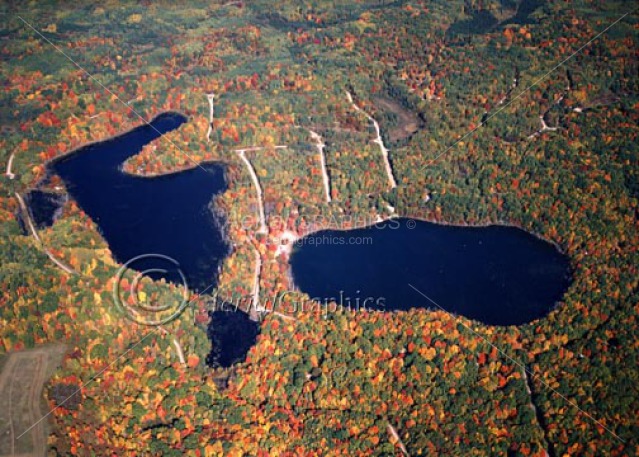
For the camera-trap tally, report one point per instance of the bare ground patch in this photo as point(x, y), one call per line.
point(407, 121)
point(22, 379)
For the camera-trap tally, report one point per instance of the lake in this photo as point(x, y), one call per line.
point(497, 275)
point(170, 215)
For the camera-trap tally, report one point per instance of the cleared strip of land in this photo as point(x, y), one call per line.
point(378, 140)
point(319, 144)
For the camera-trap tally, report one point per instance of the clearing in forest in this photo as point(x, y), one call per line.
point(21, 381)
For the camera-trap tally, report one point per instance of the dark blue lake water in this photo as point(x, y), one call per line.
point(497, 275)
point(170, 215)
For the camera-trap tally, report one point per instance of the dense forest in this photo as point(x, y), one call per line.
point(489, 118)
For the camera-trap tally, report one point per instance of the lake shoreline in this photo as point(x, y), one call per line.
point(497, 278)
point(50, 163)
point(78, 149)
